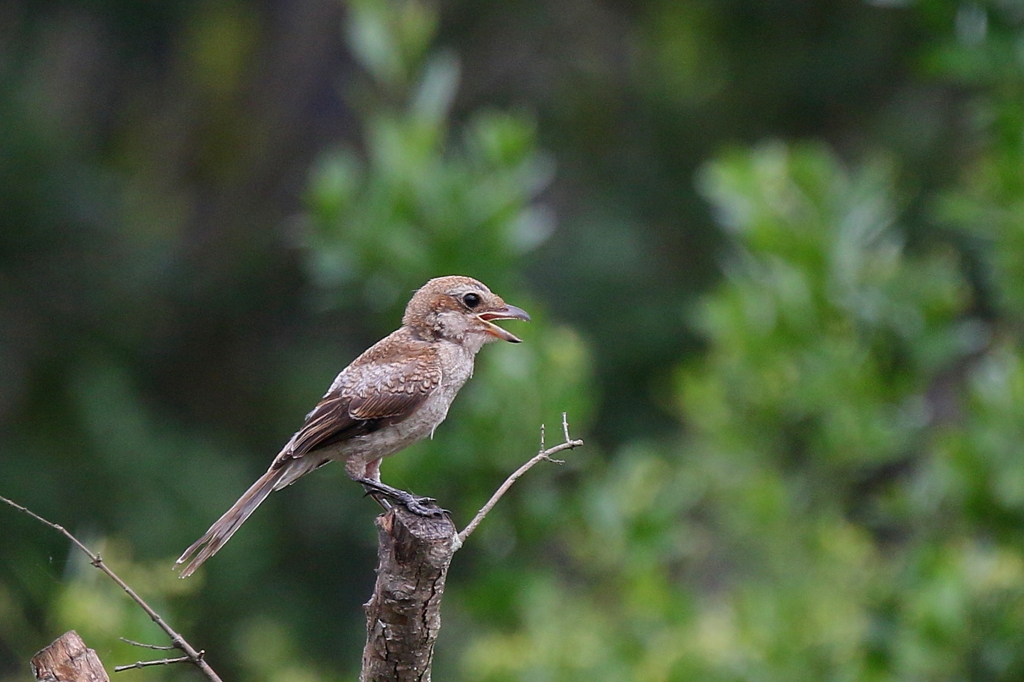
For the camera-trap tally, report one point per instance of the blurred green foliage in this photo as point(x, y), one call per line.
point(781, 301)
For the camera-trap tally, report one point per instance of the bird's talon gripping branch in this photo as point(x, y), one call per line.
point(385, 494)
point(424, 506)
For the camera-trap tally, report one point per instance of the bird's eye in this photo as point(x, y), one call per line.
point(471, 300)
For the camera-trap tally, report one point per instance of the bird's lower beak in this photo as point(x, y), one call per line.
point(509, 312)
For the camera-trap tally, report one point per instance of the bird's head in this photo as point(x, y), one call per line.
point(462, 310)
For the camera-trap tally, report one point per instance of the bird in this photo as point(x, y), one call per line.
point(395, 393)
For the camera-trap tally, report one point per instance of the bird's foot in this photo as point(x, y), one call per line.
point(384, 494)
point(423, 506)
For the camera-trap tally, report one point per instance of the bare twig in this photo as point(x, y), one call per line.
point(146, 664)
point(543, 455)
point(192, 655)
point(158, 647)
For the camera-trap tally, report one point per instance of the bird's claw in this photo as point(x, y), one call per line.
point(421, 506)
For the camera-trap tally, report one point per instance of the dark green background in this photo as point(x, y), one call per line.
point(774, 252)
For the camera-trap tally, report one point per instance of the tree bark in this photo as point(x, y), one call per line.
point(403, 617)
point(67, 659)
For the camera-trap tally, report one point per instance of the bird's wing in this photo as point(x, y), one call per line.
point(370, 396)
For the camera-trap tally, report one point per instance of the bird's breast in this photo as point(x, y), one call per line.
point(456, 368)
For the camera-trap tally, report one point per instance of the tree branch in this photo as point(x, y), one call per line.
point(543, 455)
point(192, 655)
point(142, 645)
point(146, 664)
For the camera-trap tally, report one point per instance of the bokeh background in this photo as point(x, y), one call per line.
point(774, 252)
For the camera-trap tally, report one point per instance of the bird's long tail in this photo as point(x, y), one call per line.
point(222, 530)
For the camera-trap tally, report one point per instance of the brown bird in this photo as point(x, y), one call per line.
point(392, 395)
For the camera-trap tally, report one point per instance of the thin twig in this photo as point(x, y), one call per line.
point(543, 455)
point(146, 664)
point(191, 654)
point(158, 647)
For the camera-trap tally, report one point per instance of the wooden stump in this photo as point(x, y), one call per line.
point(403, 617)
point(68, 660)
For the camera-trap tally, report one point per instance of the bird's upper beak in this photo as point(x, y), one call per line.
point(509, 312)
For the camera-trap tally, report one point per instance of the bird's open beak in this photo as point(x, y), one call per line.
point(509, 312)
